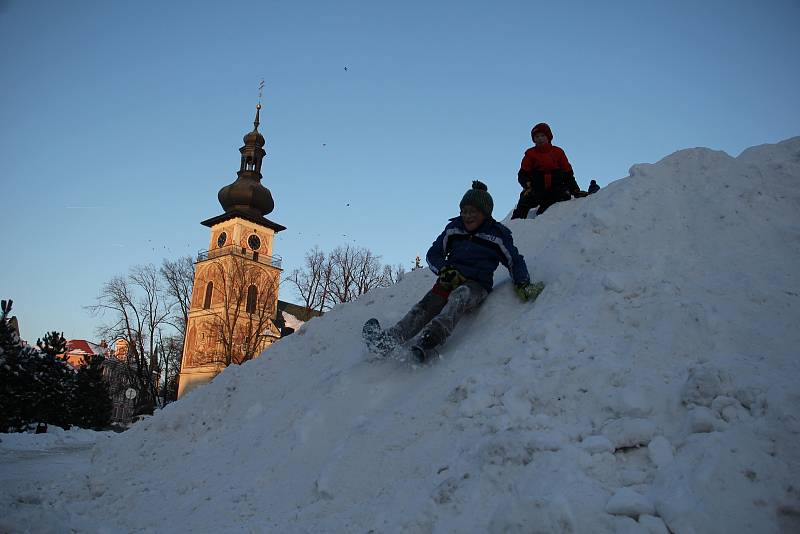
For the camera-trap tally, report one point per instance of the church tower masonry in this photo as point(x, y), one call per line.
point(236, 281)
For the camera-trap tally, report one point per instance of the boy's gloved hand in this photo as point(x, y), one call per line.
point(579, 194)
point(450, 278)
point(529, 291)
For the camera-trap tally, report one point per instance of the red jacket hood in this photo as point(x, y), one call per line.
point(544, 128)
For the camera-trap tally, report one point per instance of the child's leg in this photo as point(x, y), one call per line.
point(524, 205)
point(419, 315)
point(463, 299)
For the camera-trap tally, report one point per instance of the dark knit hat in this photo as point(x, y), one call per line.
point(544, 128)
point(478, 197)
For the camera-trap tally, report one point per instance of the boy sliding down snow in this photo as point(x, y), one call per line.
point(464, 257)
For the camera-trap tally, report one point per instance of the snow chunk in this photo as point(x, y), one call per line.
point(730, 409)
point(614, 282)
point(596, 444)
point(703, 384)
point(632, 477)
point(627, 502)
point(629, 432)
point(653, 524)
point(633, 402)
point(660, 451)
point(702, 419)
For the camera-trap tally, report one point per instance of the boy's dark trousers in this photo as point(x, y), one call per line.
point(435, 316)
point(529, 200)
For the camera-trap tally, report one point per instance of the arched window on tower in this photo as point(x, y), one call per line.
point(252, 295)
point(209, 293)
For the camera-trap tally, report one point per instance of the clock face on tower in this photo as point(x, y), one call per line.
point(221, 239)
point(254, 242)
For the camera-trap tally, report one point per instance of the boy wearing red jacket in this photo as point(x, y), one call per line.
point(545, 175)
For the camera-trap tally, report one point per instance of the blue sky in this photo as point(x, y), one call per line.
point(121, 120)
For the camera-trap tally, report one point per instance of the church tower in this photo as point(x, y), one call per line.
point(236, 281)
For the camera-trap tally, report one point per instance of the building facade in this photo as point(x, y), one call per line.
point(79, 351)
point(235, 292)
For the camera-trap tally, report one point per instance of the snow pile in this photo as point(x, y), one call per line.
point(654, 384)
point(54, 438)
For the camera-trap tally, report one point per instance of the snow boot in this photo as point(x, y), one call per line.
point(423, 348)
point(377, 340)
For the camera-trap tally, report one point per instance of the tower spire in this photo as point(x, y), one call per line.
point(258, 105)
point(246, 194)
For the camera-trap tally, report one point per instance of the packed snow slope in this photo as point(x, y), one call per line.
point(654, 384)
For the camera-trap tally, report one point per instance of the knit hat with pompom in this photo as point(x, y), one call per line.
point(478, 197)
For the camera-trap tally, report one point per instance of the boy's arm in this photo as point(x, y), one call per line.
point(435, 255)
point(572, 185)
point(524, 178)
point(517, 267)
point(525, 173)
point(569, 174)
point(563, 162)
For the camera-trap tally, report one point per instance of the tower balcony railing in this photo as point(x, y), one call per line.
point(244, 252)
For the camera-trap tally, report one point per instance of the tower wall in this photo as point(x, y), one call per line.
point(223, 329)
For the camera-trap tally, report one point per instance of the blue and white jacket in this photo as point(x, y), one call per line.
point(477, 254)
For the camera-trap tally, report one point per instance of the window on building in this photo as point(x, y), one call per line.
point(252, 295)
point(209, 292)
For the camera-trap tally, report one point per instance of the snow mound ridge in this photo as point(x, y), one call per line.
point(654, 384)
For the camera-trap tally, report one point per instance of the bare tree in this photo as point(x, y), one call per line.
point(368, 271)
point(313, 281)
point(341, 276)
point(170, 349)
point(392, 275)
point(179, 278)
point(139, 310)
point(249, 295)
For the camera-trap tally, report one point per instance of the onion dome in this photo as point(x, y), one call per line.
point(246, 195)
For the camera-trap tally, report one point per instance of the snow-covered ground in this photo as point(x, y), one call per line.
point(654, 384)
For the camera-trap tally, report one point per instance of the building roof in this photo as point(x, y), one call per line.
point(80, 345)
point(261, 221)
point(301, 312)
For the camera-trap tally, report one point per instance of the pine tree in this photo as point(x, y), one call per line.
point(18, 377)
point(55, 382)
point(53, 344)
point(92, 405)
point(10, 371)
point(9, 341)
point(58, 381)
point(34, 386)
